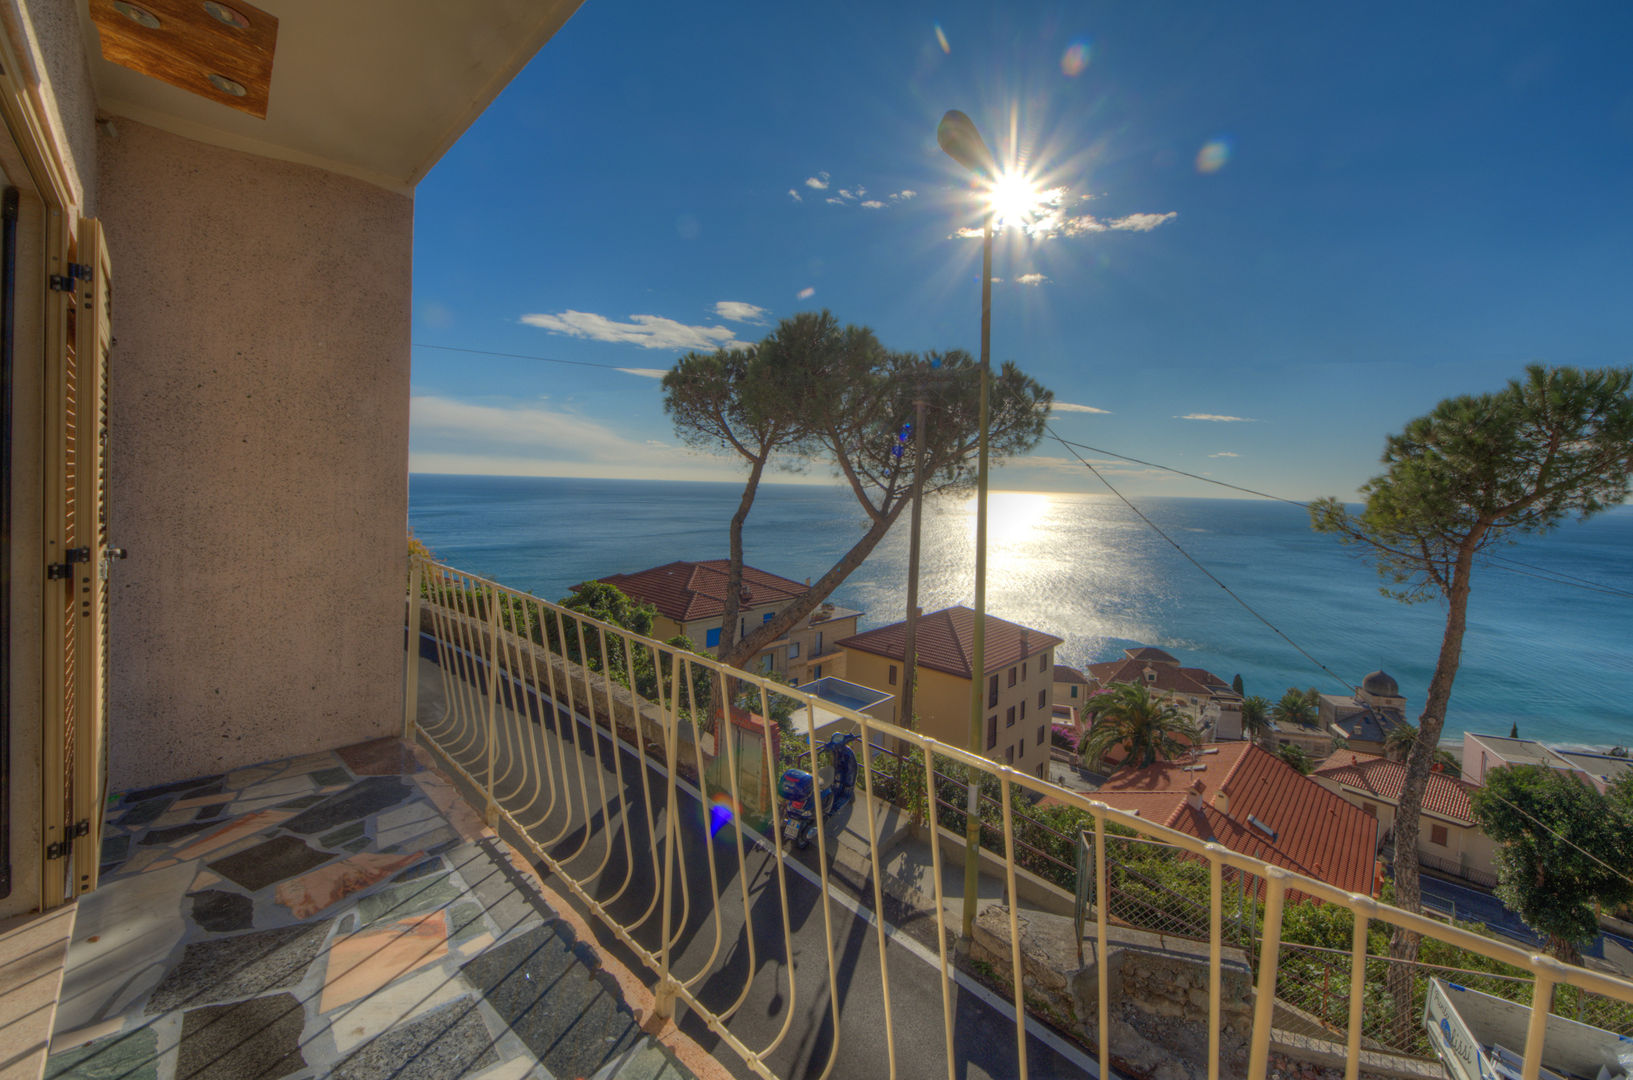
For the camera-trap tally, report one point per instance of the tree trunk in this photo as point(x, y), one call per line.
point(1403, 944)
point(722, 695)
point(795, 610)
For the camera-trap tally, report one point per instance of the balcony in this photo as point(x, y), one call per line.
point(564, 864)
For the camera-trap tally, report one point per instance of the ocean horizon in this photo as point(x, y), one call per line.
point(1553, 659)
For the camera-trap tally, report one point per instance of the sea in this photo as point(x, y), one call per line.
point(1549, 647)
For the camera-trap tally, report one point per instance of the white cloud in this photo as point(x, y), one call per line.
point(819, 182)
point(836, 201)
point(852, 195)
point(1225, 453)
point(1032, 279)
point(792, 194)
point(968, 232)
point(645, 372)
point(874, 204)
point(905, 193)
point(806, 293)
point(1143, 222)
point(738, 311)
point(1067, 406)
point(1216, 418)
point(647, 331)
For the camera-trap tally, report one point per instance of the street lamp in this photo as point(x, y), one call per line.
point(961, 140)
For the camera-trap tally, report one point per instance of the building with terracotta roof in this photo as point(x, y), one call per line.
point(1071, 689)
point(1200, 694)
point(1254, 803)
point(1019, 681)
point(1365, 719)
point(691, 599)
point(1449, 838)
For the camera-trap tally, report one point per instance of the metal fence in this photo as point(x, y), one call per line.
point(620, 763)
point(1454, 868)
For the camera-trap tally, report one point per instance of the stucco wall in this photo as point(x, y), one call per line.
point(258, 455)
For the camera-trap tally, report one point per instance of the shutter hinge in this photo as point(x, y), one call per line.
point(65, 282)
point(61, 848)
point(60, 571)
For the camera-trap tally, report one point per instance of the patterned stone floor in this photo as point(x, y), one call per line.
point(340, 915)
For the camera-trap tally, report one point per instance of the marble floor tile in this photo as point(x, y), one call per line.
point(380, 757)
point(239, 966)
point(331, 777)
point(222, 912)
point(409, 898)
point(133, 1056)
point(123, 939)
point(273, 860)
point(405, 822)
point(311, 893)
point(194, 786)
point(170, 835)
point(360, 964)
point(419, 993)
point(366, 797)
point(342, 835)
point(285, 787)
point(143, 813)
point(449, 1042)
point(246, 1040)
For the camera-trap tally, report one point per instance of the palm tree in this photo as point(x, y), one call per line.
point(1145, 727)
point(1398, 743)
point(1255, 717)
point(1297, 707)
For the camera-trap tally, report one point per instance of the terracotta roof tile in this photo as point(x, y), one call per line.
point(1064, 674)
point(1446, 796)
point(1169, 677)
point(946, 641)
point(697, 590)
point(1317, 833)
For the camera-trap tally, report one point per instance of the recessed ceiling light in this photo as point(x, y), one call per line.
point(139, 16)
point(227, 86)
point(223, 13)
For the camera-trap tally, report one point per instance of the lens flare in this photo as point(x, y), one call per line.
point(1075, 60)
point(941, 37)
point(1213, 156)
point(722, 812)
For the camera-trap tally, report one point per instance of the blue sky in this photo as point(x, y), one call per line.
point(1279, 232)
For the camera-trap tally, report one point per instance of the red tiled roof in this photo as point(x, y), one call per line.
point(1150, 652)
point(1446, 796)
point(946, 640)
point(697, 590)
point(1170, 677)
point(1317, 833)
point(1069, 675)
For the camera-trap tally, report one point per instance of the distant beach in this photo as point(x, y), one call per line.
point(1553, 659)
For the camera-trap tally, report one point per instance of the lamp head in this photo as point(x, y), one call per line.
point(958, 136)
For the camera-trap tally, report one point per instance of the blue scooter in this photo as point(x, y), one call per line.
point(838, 782)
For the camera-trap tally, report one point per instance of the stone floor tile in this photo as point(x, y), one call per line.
point(368, 796)
point(123, 939)
point(449, 1042)
point(311, 893)
point(522, 1068)
point(389, 756)
point(173, 833)
point(423, 868)
point(222, 912)
point(360, 964)
point(357, 845)
point(330, 777)
point(143, 813)
point(194, 786)
point(246, 1040)
point(403, 822)
point(239, 966)
point(115, 848)
point(132, 1056)
point(540, 987)
point(285, 787)
point(644, 1061)
point(302, 802)
point(339, 836)
point(212, 810)
point(422, 992)
point(424, 841)
point(273, 860)
point(409, 898)
point(200, 800)
point(497, 886)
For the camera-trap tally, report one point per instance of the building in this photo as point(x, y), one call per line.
point(1249, 800)
point(1365, 719)
point(1203, 696)
point(1482, 753)
point(1449, 838)
point(1071, 690)
point(1019, 681)
point(691, 599)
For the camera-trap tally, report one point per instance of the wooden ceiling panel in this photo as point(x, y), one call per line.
point(193, 41)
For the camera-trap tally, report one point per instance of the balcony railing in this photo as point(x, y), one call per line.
point(607, 756)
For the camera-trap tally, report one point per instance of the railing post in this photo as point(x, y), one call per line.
point(491, 812)
point(1362, 908)
point(663, 996)
point(1264, 994)
point(1216, 932)
point(411, 659)
point(1542, 1003)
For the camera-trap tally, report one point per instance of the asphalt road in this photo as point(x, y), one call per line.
point(1477, 906)
point(731, 953)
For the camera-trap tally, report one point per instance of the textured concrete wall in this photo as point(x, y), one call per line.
point(259, 455)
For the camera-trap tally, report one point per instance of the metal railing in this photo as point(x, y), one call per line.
point(611, 757)
point(1457, 869)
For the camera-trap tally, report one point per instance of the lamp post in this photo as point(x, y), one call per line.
point(958, 136)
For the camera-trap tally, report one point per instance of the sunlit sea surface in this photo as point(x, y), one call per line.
point(1556, 660)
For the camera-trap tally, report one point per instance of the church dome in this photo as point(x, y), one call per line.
point(1380, 684)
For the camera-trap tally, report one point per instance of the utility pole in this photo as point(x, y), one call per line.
point(910, 654)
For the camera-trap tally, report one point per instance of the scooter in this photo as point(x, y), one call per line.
point(836, 781)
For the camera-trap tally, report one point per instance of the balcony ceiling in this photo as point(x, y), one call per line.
point(376, 89)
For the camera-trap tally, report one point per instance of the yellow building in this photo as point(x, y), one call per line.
point(1019, 695)
point(691, 599)
point(1449, 839)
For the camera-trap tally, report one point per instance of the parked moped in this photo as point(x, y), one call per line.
point(836, 781)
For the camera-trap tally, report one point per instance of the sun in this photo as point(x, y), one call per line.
point(1016, 200)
